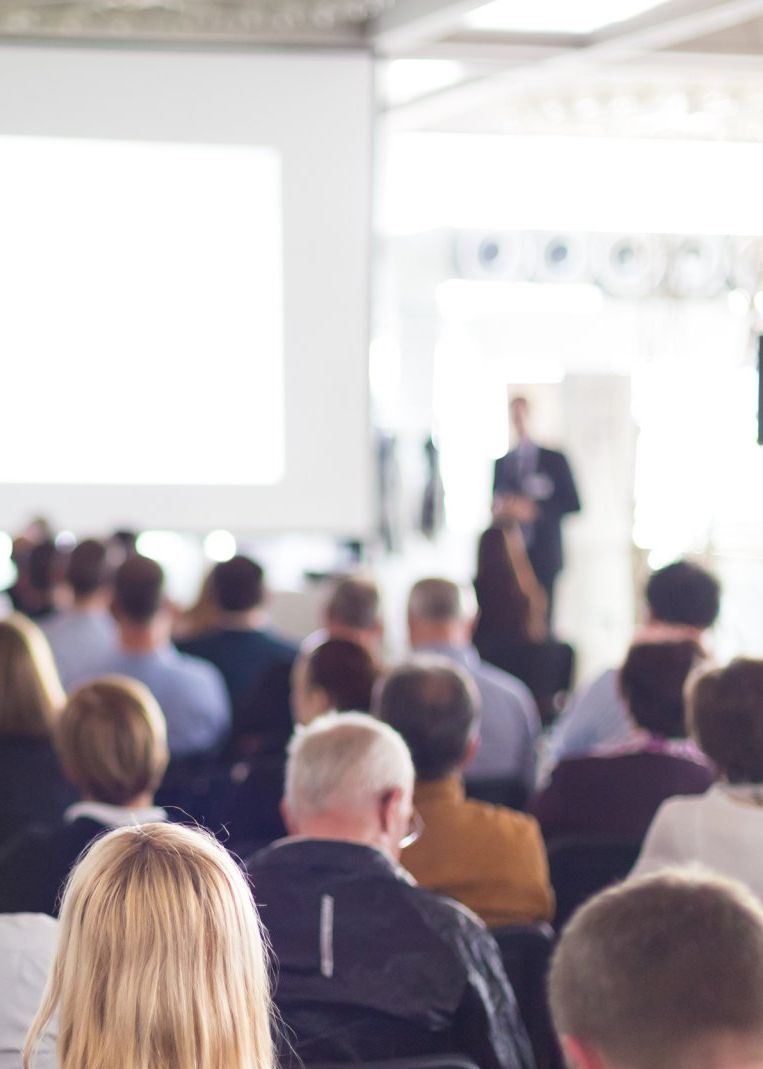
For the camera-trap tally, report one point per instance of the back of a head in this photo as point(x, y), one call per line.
point(88, 569)
point(112, 740)
point(685, 594)
point(43, 566)
point(434, 706)
point(238, 584)
point(345, 671)
point(343, 763)
point(138, 589)
point(725, 708)
point(355, 604)
point(652, 681)
point(160, 959)
point(437, 601)
point(654, 973)
point(31, 695)
point(493, 563)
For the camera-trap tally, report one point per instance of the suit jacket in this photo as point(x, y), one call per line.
point(553, 489)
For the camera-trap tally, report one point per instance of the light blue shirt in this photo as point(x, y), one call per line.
point(509, 720)
point(595, 715)
point(191, 693)
point(80, 641)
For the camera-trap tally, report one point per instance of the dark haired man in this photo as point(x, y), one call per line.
point(242, 646)
point(487, 857)
point(682, 602)
point(190, 691)
point(84, 634)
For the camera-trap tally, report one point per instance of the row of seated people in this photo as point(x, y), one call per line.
point(160, 960)
point(615, 791)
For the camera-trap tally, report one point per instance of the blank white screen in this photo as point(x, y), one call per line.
point(314, 109)
point(142, 312)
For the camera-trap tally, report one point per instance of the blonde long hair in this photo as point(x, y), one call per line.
point(161, 961)
point(31, 695)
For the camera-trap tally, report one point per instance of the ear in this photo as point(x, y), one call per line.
point(389, 806)
point(288, 819)
point(471, 749)
point(580, 1055)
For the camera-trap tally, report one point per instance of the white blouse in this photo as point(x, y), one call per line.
point(721, 830)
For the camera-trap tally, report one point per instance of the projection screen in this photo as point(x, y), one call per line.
point(184, 262)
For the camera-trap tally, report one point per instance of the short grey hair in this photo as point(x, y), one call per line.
point(341, 761)
point(436, 600)
point(650, 970)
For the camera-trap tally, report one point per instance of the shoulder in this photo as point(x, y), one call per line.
point(187, 667)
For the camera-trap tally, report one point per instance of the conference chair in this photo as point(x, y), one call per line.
point(526, 953)
point(425, 1061)
point(580, 866)
point(501, 790)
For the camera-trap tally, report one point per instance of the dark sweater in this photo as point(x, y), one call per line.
point(618, 793)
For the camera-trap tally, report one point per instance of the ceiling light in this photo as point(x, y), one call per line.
point(555, 16)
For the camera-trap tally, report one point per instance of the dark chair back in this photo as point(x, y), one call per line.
point(526, 952)
point(580, 866)
point(547, 668)
point(425, 1061)
point(503, 790)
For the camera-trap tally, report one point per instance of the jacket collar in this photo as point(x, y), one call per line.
point(337, 854)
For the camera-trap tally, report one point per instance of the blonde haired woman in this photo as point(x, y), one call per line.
point(32, 786)
point(160, 962)
point(112, 743)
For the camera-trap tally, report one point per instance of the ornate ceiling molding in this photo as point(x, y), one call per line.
point(185, 18)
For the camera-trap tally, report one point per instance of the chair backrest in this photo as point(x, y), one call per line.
point(547, 668)
point(425, 1061)
point(526, 953)
point(502, 790)
point(580, 866)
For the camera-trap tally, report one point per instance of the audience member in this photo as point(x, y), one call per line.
point(369, 965)
point(84, 634)
point(353, 612)
point(241, 645)
point(617, 790)
point(509, 726)
point(662, 973)
point(27, 946)
point(682, 602)
point(160, 960)
point(337, 676)
point(112, 743)
point(32, 787)
point(38, 567)
point(487, 857)
point(512, 603)
point(723, 828)
point(191, 692)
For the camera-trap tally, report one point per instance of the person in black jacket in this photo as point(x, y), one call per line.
point(534, 487)
point(112, 740)
point(370, 966)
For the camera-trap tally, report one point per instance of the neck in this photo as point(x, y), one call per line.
point(140, 801)
point(338, 829)
point(141, 638)
point(90, 602)
point(430, 633)
point(248, 620)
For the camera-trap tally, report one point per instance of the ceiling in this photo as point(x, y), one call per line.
point(682, 68)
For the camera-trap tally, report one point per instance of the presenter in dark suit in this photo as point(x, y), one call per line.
point(534, 487)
